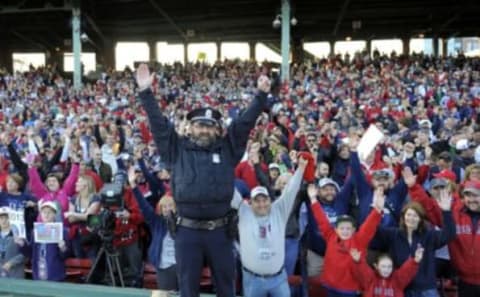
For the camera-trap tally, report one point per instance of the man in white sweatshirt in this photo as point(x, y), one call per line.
point(262, 238)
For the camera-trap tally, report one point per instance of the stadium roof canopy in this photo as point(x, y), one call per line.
point(46, 23)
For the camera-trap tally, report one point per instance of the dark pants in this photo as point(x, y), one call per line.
point(167, 279)
point(468, 290)
point(191, 247)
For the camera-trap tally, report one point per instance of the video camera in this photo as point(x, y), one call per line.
point(111, 200)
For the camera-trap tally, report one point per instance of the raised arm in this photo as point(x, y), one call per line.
point(145, 207)
point(405, 274)
point(361, 271)
point(418, 194)
point(156, 185)
point(36, 185)
point(342, 199)
point(17, 161)
point(163, 131)
point(324, 227)
point(448, 231)
point(367, 231)
point(287, 198)
point(69, 184)
point(239, 130)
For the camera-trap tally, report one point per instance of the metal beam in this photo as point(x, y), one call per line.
point(285, 73)
point(95, 28)
point(14, 10)
point(169, 19)
point(29, 40)
point(77, 46)
point(449, 22)
point(340, 17)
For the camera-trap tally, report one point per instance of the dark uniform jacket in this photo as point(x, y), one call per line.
point(202, 178)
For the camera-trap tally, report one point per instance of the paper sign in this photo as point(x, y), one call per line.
point(17, 223)
point(48, 232)
point(369, 141)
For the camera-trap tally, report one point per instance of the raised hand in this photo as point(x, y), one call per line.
point(312, 191)
point(353, 142)
point(419, 253)
point(263, 84)
point(445, 201)
point(132, 176)
point(302, 163)
point(356, 255)
point(143, 76)
point(408, 177)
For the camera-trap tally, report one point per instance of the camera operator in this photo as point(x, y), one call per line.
point(127, 220)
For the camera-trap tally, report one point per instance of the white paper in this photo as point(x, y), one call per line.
point(48, 232)
point(369, 141)
point(17, 223)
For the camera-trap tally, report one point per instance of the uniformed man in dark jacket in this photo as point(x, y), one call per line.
point(202, 181)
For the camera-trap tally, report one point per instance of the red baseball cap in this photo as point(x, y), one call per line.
point(472, 187)
point(446, 174)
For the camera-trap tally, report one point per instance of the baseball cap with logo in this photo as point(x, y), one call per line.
point(4, 210)
point(259, 190)
point(472, 187)
point(50, 204)
point(328, 181)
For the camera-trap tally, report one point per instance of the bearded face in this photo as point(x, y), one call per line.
point(203, 135)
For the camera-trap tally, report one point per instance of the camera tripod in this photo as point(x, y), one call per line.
point(113, 265)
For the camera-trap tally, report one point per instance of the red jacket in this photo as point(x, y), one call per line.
point(338, 266)
point(127, 231)
point(465, 248)
point(373, 285)
point(246, 172)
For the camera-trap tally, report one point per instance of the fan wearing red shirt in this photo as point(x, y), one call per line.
point(383, 281)
point(337, 276)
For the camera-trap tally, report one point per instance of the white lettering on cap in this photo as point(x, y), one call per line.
point(208, 114)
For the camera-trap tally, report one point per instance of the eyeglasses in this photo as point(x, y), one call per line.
point(311, 140)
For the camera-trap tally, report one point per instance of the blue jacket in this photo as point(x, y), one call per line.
point(156, 185)
point(338, 207)
point(400, 250)
point(394, 201)
point(55, 258)
point(202, 177)
point(158, 227)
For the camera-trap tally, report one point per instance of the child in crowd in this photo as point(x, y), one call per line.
point(48, 259)
point(11, 259)
point(161, 252)
point(383, 281)
point(338, 277)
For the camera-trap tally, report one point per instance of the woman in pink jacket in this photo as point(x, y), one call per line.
point(53, 190)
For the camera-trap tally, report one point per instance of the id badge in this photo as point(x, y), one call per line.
point(216, 158)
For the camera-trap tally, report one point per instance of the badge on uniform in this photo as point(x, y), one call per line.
point(216, 158)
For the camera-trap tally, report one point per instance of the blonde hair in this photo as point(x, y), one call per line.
point(91, 188)
point(163, 201)
point(469, 169)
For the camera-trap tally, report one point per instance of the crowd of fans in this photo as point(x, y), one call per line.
point(59, 146)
